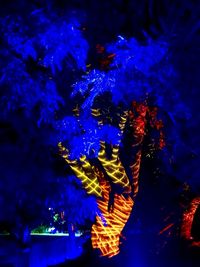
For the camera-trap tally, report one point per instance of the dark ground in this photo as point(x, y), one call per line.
point(136, 251)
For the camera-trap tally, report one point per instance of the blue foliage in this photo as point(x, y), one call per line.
point(83, 135)
point(138, 71)
point(129, 53)
point(36, 53)
point(21, 46)
point(96, 83)
point(110, 134)
point(69, 196)
point(52, 45)
point(26, 92)
point(17, 39)
point(79, 206)
point(62, 40)
point(50, 101)
point(68, 126)
point(132, 75)
point(142, 71)
point(16, 78)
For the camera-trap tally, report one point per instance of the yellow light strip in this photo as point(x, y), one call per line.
point(114, 167)
point(85, 173)
point(96, 112)
point(123, 120)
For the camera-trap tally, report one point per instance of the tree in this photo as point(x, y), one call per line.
point(35, 54)
point(138, 72)
point(103, 161)
point(44, 52)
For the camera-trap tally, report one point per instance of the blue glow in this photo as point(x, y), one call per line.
point(130, 53)
point(133, 73)
point(99, 83)
point(53, 45)
point(55, 251)
point(62, 40)
point(83, 138)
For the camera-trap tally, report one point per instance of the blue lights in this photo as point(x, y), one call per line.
point(132, 54)
point(60, 41)
point(35, 54)
point(83, 138)
point(133, 73)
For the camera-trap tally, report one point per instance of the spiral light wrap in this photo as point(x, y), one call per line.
point(114, 167)
point(106, 231)
point(108, 227)
point(84, 171)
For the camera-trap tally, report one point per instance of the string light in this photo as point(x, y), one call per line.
point(110, 220)
point(106, 233)
point(135, 169)
point(114, 167)
point(85, 172)
point(188, 217)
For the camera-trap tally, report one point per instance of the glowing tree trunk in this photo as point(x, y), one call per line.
point(111, 219)
point(110, 223)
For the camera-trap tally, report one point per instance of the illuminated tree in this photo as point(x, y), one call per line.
point(130, 71)
point(145, 81)
point(99, 161)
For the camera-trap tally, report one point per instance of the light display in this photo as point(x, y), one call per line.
point(113, 213)
point(114, 206)
point(113, 181)
point(188, 218)
point(109, 225)
point(114, 168)
point(84, 172)
point(49, 65)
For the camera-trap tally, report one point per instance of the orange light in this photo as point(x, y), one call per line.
point(106, 233)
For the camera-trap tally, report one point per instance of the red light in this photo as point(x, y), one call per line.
point(187, 221)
